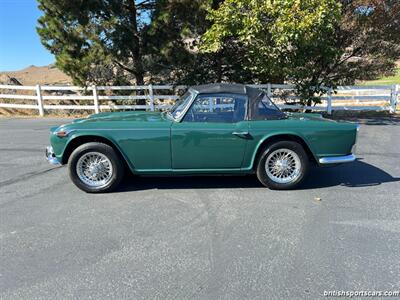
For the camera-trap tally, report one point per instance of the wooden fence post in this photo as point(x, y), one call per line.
point(151, 97)
point(392, 98)
point(329, 100)
point(394, 91)
point(39, 100)
point(95, 100)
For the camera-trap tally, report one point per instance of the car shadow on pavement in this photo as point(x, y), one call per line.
point(357, 174)
point(137, 183)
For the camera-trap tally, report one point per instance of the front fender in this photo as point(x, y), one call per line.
point(63, 147)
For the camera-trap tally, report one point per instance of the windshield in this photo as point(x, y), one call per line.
point(177, 110)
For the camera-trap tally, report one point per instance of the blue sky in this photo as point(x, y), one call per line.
point(19, 43)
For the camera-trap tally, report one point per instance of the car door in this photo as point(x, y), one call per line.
point(213, 133)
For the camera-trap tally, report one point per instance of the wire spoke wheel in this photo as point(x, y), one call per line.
point(283, 166)
point(94, 169)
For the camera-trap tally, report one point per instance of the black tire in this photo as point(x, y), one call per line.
point(268, 181)
point(117, 167)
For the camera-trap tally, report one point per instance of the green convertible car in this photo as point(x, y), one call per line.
point(212, 129)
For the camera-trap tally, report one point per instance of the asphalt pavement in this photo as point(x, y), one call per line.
point(198, 237)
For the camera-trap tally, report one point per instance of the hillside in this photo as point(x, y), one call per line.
point(33, 75)
point(51, 75)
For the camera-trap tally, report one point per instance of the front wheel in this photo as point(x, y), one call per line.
point(283, 165)
point(95, 168)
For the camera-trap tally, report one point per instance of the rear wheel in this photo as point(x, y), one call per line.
point(282, 165)
point(95, 168)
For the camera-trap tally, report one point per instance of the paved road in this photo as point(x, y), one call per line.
point(199, 237)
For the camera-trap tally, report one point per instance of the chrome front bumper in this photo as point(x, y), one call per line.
point(337, 159)
point(51, 157)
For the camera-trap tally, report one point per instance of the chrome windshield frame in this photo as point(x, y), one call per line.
point(188, 105)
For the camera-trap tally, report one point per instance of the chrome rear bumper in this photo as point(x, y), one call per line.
point(337, 159)
point(51, 157)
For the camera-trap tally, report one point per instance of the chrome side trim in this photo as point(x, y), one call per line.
point(51, 158)
point(337, 159)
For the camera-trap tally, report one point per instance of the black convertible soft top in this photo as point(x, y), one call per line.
point(253, 96)
point(227, 88)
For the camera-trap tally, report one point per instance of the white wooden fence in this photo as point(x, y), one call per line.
point(43, 97)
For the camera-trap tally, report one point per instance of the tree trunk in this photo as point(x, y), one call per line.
point(140, 81)
point(308, 103)
point(135, 49)
point(139, 78)
point(219, 66)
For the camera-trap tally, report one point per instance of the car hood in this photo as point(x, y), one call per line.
point(140, 116)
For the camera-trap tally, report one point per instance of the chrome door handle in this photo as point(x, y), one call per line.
point(242, 134)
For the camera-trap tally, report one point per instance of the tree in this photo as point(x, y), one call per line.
point(284, 39)
point(311, 43)
point(96, 41)
point(173, 37)
point(369, 36)
point(113, 42)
